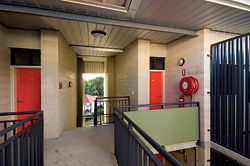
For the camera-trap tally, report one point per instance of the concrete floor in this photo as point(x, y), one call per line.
point(92, 146)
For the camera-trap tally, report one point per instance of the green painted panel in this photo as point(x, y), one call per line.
point(169, 126)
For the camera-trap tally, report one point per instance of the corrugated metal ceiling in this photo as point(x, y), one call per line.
point(79, 33)
point(187, 14)
point(184, 14)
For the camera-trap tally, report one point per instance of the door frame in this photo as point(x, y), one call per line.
point(163, 84)
point(12, 84)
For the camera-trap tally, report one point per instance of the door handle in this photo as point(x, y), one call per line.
point(19, 101)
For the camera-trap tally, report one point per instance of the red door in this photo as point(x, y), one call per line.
point(155, 89)
point(28, 90)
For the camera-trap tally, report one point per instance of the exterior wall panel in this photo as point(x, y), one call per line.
point(126, 73)
point(4, 71)
point(93, 67)
point(194, 50)
point(49, 82)
point(67, 63)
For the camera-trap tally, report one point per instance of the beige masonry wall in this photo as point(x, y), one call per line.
point(143, 71)
point(67, 62)
point(194, 50)
point(158, 50)
point(132, 70)
point(58, 65)
point(12, 38)
point(24, 39)
point(126, 73)
point(110, 77)
point(49, 82)
point(4, 71)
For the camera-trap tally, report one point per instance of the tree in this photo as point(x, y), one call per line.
point(94, 87)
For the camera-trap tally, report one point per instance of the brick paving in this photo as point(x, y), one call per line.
point(92, 146)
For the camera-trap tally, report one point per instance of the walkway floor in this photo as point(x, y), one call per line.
point(92, 146)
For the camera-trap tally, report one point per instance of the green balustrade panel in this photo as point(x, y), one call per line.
point(169, 126)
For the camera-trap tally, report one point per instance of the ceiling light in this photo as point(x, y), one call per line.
point(239, 4)
point(98, 33)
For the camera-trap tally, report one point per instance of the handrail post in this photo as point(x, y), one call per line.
point(95, 113)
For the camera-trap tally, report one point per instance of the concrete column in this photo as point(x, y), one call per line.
point(4, 71)
point(49, 82)
point(79, 92)
point(143, 71)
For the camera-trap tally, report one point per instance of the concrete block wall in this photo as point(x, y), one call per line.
point(24, 39)
point(132, 70)
point(109, 70)
point(67, 63)
point(158, 50)
point(59, 66)
point(143, 71)
point(194, 50)
point(126, 73)
point(50, 82)
point(4, 71)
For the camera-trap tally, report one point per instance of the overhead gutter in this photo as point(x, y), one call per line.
point(84, 18)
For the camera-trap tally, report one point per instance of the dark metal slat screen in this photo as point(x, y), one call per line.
point(230, 94)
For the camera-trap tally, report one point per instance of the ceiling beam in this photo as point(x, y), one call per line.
point(92, 48)
point(84, 18)
point(93, 58)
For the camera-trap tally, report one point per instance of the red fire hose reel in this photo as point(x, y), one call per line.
point(189, 85)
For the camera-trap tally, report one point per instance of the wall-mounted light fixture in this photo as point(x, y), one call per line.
point(181, 61)
point(98, 33)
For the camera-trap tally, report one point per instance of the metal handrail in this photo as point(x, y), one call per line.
point(154, 144)
point(109, 100)
point(13, 127)
point(111, 97)
point(18, 113)
point(23, 140)
point(160, 104)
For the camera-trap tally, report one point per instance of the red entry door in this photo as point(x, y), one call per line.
point(155, 89)
point(28, 90)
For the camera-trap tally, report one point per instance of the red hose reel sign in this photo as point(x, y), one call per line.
point(189, 85)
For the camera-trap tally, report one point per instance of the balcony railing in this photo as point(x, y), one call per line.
point(103, 110)
point(136, 137)
point(21, 141)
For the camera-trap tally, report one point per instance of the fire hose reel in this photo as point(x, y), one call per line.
point(189, 85)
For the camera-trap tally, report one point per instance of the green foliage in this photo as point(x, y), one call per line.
point(94, 87)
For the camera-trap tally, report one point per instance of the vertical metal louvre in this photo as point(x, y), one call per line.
point(230, 94)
